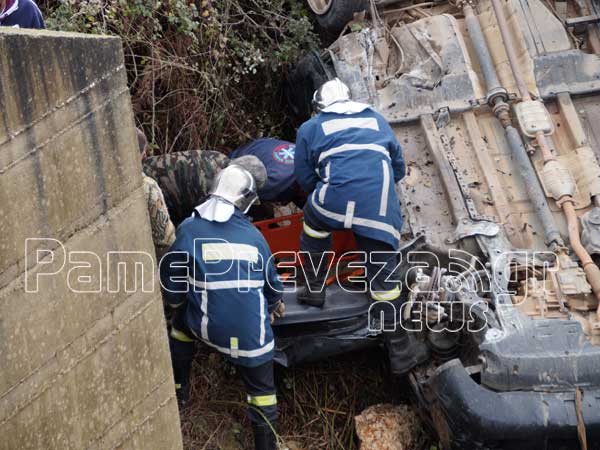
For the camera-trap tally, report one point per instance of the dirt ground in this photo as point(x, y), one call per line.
point(318, 404)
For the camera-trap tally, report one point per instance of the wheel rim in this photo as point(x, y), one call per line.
point(320, 7)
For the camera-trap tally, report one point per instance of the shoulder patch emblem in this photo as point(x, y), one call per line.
point(284, 154)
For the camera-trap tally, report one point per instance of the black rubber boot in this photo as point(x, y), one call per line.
point(404, 350)
point(182, 389)
point(313, 292)
point(182, 354)
point(264, 436)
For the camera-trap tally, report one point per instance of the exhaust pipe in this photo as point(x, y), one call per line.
point(565, 201)
point(497, 98)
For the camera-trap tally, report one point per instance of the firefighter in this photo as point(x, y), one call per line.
point(222, 282)
point(348, 159)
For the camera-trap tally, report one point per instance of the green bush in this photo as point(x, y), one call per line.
point(202, 74)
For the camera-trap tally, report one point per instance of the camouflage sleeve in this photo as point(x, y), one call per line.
point(185, 178)
point(163, 231)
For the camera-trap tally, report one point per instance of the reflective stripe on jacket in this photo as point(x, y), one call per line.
point(223, 274)
point(350, 163)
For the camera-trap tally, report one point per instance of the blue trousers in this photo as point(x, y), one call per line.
point(380, 256)
point(259, 381)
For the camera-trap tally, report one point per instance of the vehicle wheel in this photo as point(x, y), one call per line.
point(333, 15)
point(308, 75)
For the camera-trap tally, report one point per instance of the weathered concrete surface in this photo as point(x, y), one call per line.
point(91, 369)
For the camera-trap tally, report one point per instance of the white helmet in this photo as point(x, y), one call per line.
point(235, 185)
point(331, 92)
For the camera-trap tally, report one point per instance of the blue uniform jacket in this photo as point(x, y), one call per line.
point(22, 14)
point(223, 275)
point(350, 163)
point(278, 158)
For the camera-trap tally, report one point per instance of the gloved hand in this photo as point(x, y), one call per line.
point(278, 312)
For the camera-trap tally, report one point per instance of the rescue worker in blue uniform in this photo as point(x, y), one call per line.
point(220, 278)
point(20, 14)
point(349, 160)
point(278, 158)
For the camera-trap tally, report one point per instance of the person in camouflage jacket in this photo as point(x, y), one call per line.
point(163, 230)
point(185, 178)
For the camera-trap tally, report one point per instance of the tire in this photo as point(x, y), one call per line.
point(333, 15)
point(308, 75)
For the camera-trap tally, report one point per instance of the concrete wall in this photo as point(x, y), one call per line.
point(78, 370)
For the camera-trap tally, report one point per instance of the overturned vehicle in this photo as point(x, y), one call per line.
point(496, 105)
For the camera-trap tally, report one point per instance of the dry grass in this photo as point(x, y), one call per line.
point(318, 403)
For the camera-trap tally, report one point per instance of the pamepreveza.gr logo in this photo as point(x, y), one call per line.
point(284, 153)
